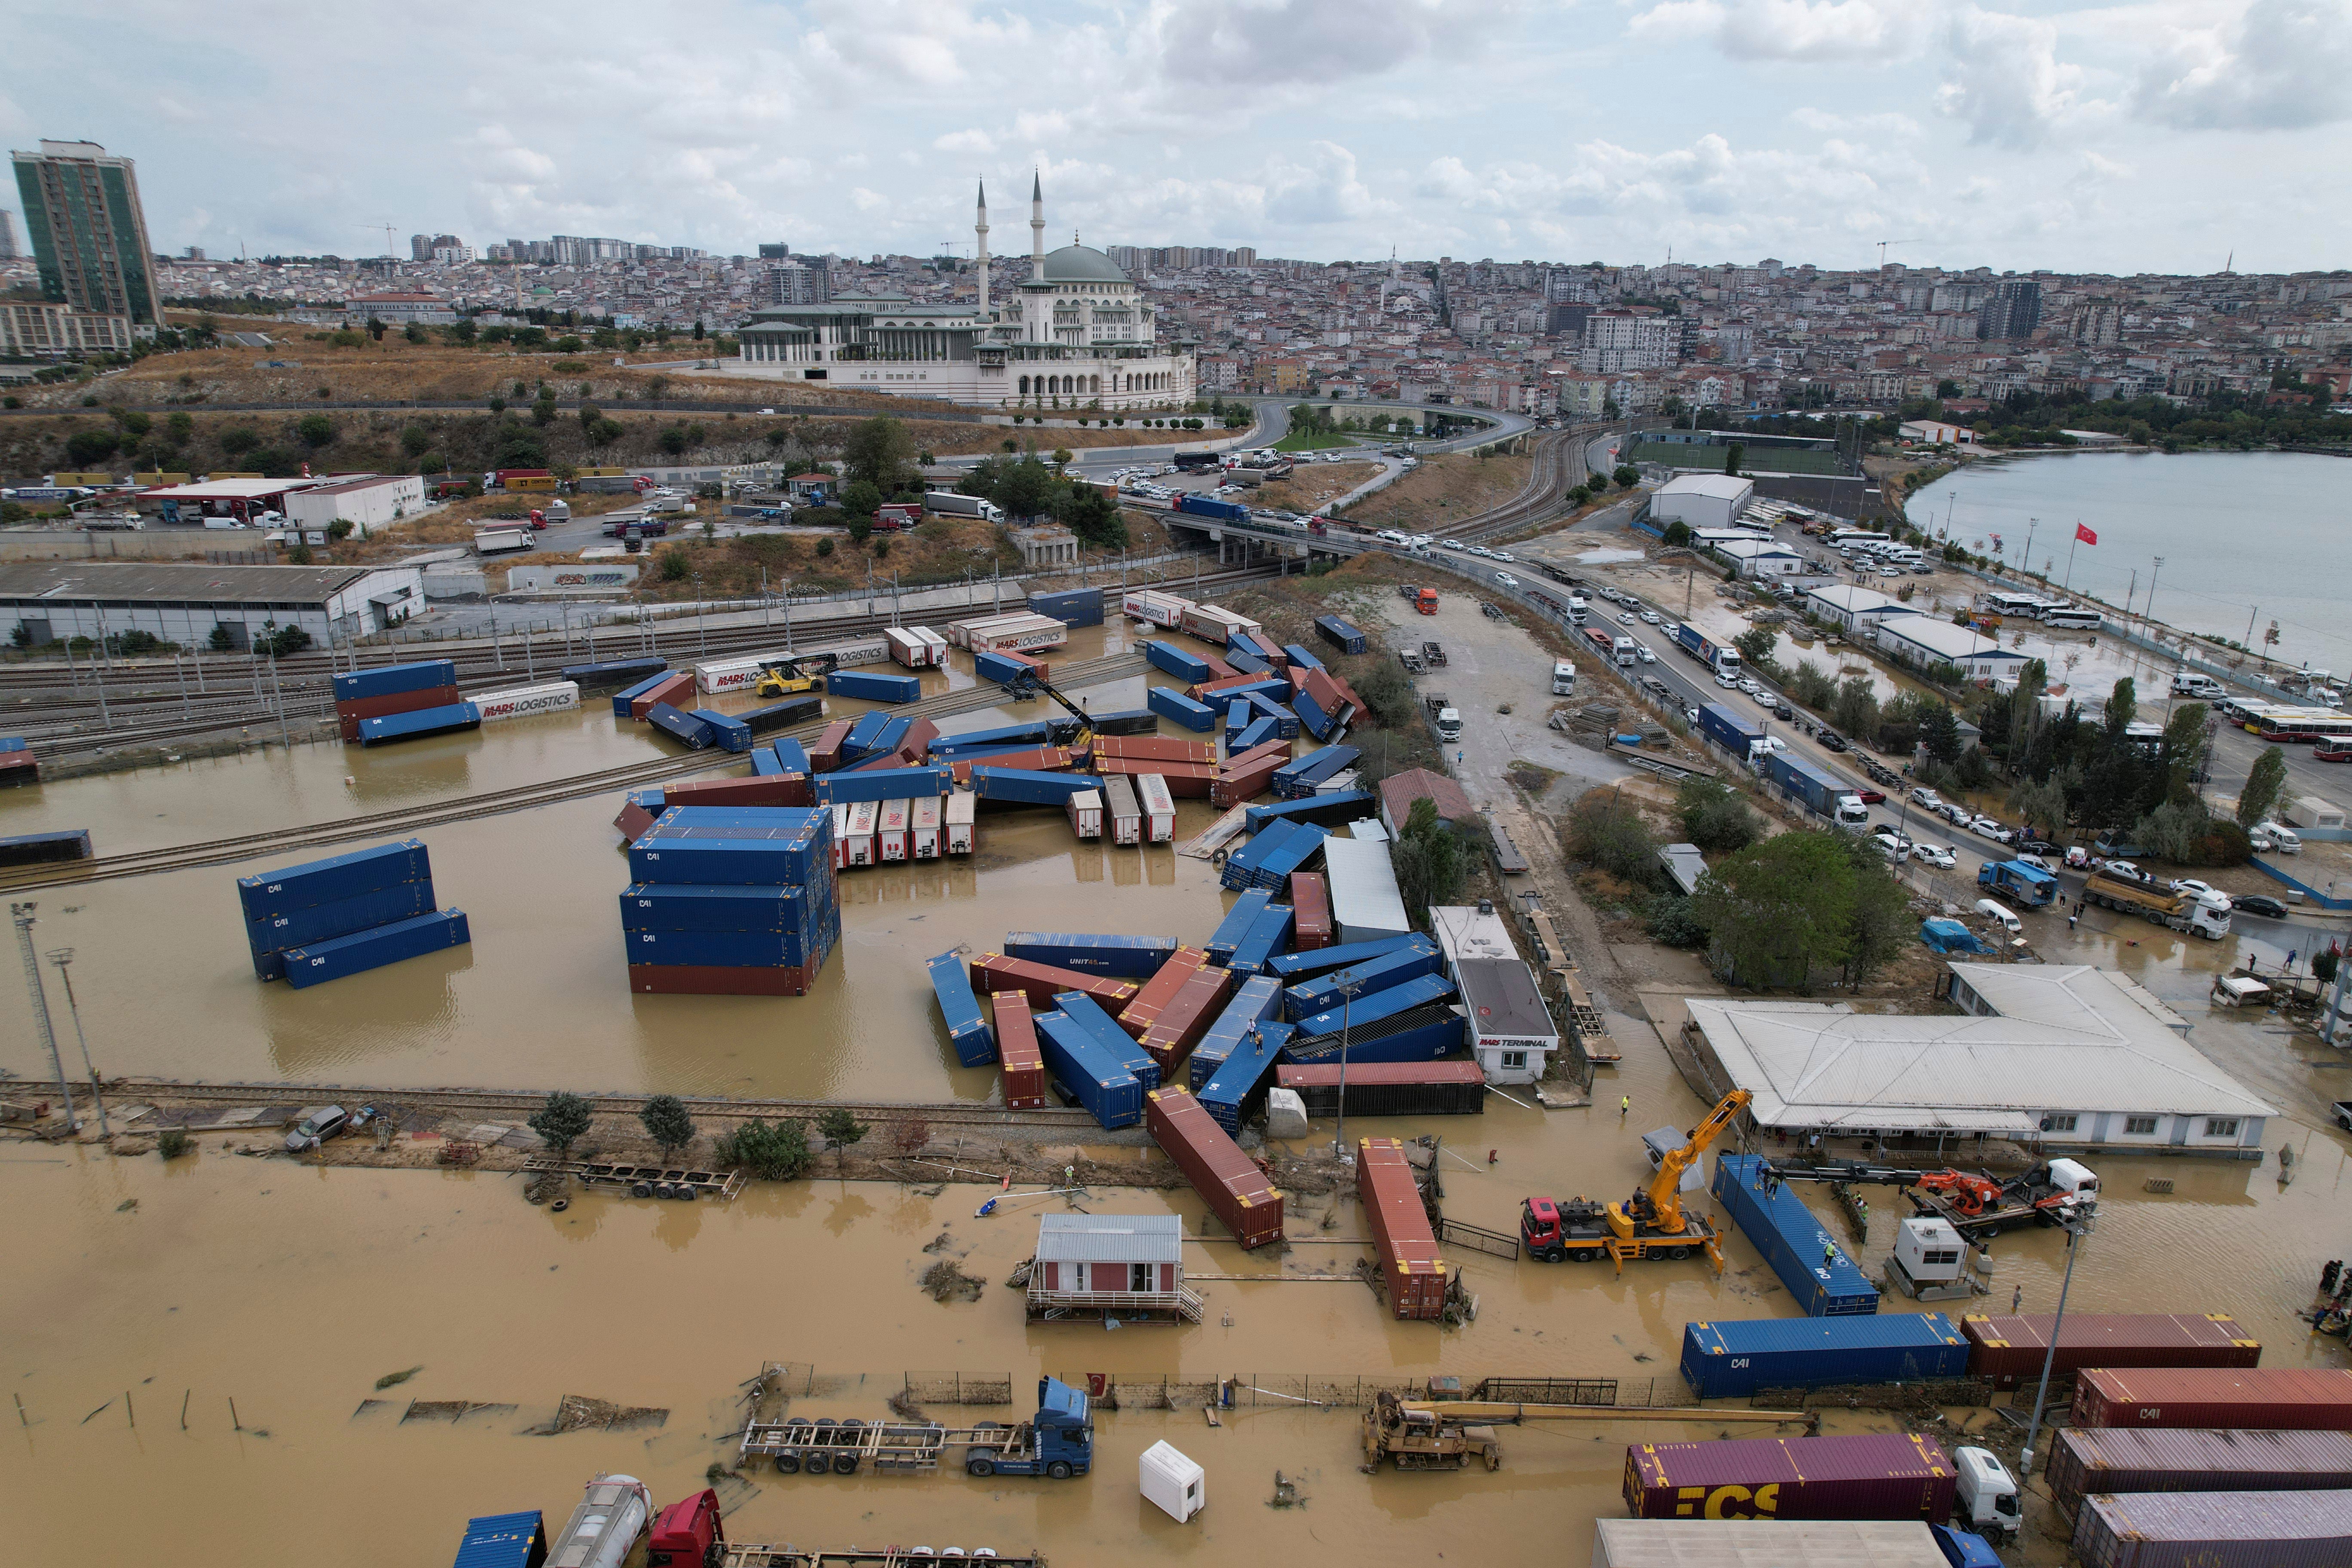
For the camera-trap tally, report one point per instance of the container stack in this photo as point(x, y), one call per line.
point(345, 915)
point(728, 901)
point(394, 691)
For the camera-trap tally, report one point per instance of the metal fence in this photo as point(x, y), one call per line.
point(959, 1387)
point(1249, 1390)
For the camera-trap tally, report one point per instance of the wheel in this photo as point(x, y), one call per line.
point(686, 1191)
point(1553, 1254)
point(813, 1464)
point(661, 1189)
point(1678, 1253)
point(788, 1464)
point(978, 1465)
point(845, 1464)
point(1059, 1469)
point(641, 1189)
point(1584, 1254)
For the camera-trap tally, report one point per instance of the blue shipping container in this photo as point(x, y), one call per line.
point(1126, 721)
point(1370, 1007)
point(1267, 934)
point(1246, 663)
point(729, 735)
point(873, 687)
point(446, 720)
point(622, 698)
point(990, 664)
point(1298, 655)
point(1165, 655)
point(397, 680)
point(40, 849)
point(1122, 1047)
point(792, 754)
point(1092, 1076)
point(1325, 992)
point(1299, 778)
point(1295, 966)
point(1016, 736)
point(1340, 634)
point(1257, 733)
point(1233, 1089)
point(336, 878)
point(1728, 730)
point(1236, 925)
point(12, 743)
point(1088, 952)
point(1725, 1359)
point(880, 784)
point(1242, 863)
point(1071, 607)
point(865, 737)
point(968, 1029)
point(268, 938)
point(1794, 1242)
point(1021, 786)
point(675, 722)
point(1171, 703)
point(1305, 843)
point(363, 951)
point(764, 763)
point(1253, 1002)
point(1427, 1036)
point(686, 906)
point(720, 949)
point(1326, 810)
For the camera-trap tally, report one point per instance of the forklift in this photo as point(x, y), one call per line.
point(1650, 1224)
point(790, 677)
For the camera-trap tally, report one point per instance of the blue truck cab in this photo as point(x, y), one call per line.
point(1962, 1550)
point(2029, 885)
point(1059, 1443)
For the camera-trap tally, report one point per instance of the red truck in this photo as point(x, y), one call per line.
point(892, 516)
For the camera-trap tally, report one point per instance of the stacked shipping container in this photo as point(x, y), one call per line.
point(395, 689)
point(346, 914)
point(732, 901)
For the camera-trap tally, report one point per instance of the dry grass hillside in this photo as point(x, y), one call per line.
point(1443, 490)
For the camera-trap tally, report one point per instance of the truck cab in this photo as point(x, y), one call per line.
point(1563, 679)
point(1851, 812)
point(1624, 651)
point(1426, 600)
point(1059, 1443)
point(1449, 723)
point(1985, 1494)
point(688, 1534)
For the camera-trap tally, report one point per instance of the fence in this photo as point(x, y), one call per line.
point(1228, 1391)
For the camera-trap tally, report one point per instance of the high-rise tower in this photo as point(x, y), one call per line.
point(88, 232)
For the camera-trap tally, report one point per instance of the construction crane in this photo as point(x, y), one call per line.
point(789, 677)
point(1885, 243)
point(1650, 1224)
point(1448, 1434)
point(387, 228)
point(1973, 1203)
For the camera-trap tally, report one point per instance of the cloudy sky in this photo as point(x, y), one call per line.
point(2153, 134)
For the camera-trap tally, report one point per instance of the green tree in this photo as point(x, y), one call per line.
point(375, 329)
point(673, 439)
point(2121, 711)
point(238, 439)
point(1611, 836)
point(1732, 460)
point(316, 429)
point(1026, 488)
point(563, 1121)
point(1431, 862)
point(1779, 910)
point(1087, 511)
point(1715, 817)
point(2040, 804)
point(860, 496)
point(414, 333)
point(2262, 787)
point(1678, 532)
point(542, 411)
point(1627, 476)
point(2181, 753)
point(1855, 711)
point(1756, 645)
point(415, 440)
point(840, 1127)
point(589, 415)
point(604, 432)
point(86, 447)
point(1939, 735)
point(776, 1151)
point(1880, 924)
point(178, 428)
point(880, 452)
point(861, 527)
point(667, 1123)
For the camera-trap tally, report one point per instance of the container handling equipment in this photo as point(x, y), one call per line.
point(1652, 1223)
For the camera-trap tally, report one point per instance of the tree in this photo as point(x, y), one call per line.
point(859, 498)
point(1756, 645)
point(1093, 516)
point(879, 451)
point(2121, 711)
point(375, 329)
point(840, 1127)
point(415, 440)
point(673, 439)
point(2262, 787)
point(774, 1152)
point(2181, 756)
point(2040, 804)
point(1939, 735)
point(1430, 862)
point(1732, 460)
point(1715, 816)
point(413, 332)
point(1778, 910)
point(178, 428)
point(697, 329)
point(1881, 924)
point(1856, 709)
point(563, 1121)
point(667, 1123)
point(316, 430)
point(86, 447)
point(1026, 488)
point(1612, 837)
point(1678, 532)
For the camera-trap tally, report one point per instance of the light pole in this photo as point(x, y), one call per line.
point(23, 915)
point(2074, 1232)
point(63, 958)
point(1347, 1006)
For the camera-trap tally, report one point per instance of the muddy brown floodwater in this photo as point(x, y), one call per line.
point(292, 1288)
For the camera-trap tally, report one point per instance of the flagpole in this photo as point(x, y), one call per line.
point(2068, 586)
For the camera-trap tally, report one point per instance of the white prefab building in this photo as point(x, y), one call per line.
point(180, 603)
point(1753, 557)
point(1130, 1266)
point(1702, 500)
point(2062, 1056)
point(366, 501)
point(1511, 1030)
point(1171, 1481)
point(1924, 640)
point(1855, 609)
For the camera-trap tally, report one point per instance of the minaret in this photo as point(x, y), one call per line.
point(980, 228)
point(1036, 229)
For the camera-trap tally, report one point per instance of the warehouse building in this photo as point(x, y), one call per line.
point(1925, 641)
point(243, 501)
point(1755, 557)
point(366, 501)
point(1511, 1030)
point(1702, 500)
point(1854, 608)
point(2062, 1056)
point(54, 600)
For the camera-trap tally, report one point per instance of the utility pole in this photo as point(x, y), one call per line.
point(2074, 1232)
point(277, 695)
point(23, 915)
point(63, 958)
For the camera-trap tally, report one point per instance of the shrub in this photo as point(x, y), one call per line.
point(563, 1121)
point(770, 1153)
point(881, 549)
point(1715, 817)
point(823, 548)
point(840, 1127)
point(86, 447)
point(1389, 695)
point(173, 1141)
point(1675, 923)
point(316, 429)
point(675, 566)
point(1612, 836)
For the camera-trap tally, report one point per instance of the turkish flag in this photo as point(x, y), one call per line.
point(2085, 535)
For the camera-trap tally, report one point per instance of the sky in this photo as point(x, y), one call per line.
point(2151, 135)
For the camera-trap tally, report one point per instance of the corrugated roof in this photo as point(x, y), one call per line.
point(1111, 1238)
point(1399, 791)
point(1720, 486)
point(1943, 638)
point(1502, 997)
point(70, 581)
point(1363, 885)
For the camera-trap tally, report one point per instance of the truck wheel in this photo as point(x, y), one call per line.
point(814, 1464)
point(641, 1189)
point(1059, 1469)
point(1678, 1253)
point(1584, 1254)
point(980, 1464)
point(1553, 1254)
point(845, 1464)
point(788, 1464)
point(686, 1190)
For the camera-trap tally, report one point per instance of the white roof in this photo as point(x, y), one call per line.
point(229, 489)
point(1751, 548)
point(1465, 930)
point(1111, 1238)
point(1859, 601)
point(1720, 487)
point(2055, 1038)
point(1363, 885)
point(1943, 639)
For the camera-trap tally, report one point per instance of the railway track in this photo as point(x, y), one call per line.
point(405, 821)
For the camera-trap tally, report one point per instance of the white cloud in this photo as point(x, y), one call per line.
point(2281, 65)
point(1794, 29)
point(965, 141)
point(1885, 124)
point(2003, 78)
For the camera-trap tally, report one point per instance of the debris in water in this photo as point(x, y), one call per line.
point(577, 1413)
point(939, 1243)
point(126, 1206)
point(546, 1185)
point(946, 1282)
point(393, 1379)
point(904, 1405)
point(1286, 1493)
point(934, 1190)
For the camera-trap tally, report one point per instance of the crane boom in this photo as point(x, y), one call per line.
point(1666, 1188)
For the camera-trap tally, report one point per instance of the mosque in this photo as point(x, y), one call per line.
point(1079, 336)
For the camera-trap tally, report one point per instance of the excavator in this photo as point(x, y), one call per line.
point(2058, 1193)
point(1448, 1434)
point(1078, 734)
point(790, 676)
point(1650, 1224)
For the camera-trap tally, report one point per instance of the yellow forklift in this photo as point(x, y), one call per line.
point(790, 676)
point(1650, 1224)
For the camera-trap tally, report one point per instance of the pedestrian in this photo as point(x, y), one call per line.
point(2017, 1299)
point(2070, 920)
point(1624, 1106)
point(1829, 1253)
point(1457, 759)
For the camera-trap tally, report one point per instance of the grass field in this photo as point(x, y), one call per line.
point(1310, 441)
point(1754, 460)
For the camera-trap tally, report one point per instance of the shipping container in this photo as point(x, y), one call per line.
point(967, 1025)
point(804, 945)
point(2113, 1460)
point(1173, 705)
point(523, 701)
point(1255, 1000)
point(728, 732)
point(362, 950)
point(670, 689)
point(1736, 1357)
point(1386, 1089)
point(1765, 1543)
point(1119, 957)
point(1125, 722)
point(1121, 813)
point(1004, 670)
point(1241, 781)
point(1025, 786)
point(686, 906)
point(1362, 981)
point(21, 767)
point(862, 816)
point(879, 785)
point(1156, 992)
point(906, 648)
point(326, 881)
point(1295, 967)
point(1015, 633)
point(1085, 813)
point(2216, 1530)
point(826, 755)
point(2010, 1350)
point(1228, 1181)
point(42, 848)
point(1236, 924)
point(1299, 849)
point(1246, 663)
point(1187, 1017)
point(739, 673)
point(956, 821)
point(722, 980)
point(1323, 810)
point(1875, 1476)
point(1310, 903)
point(1016, 1049)
point(679, 725)
point(923, 839)
point(1296, 780)
point(873, 734)
point(1154, 608)
point(391, 680)
point(806, 708)
point(765, 764)
point(1341, 634)
point(1251, 733)
point(1233, 1088)
point(349, 715)
point(1071, 607)
point(1187, 781)
point(1423, 1034)
point(610, 675)
point(773, 791)
point(1365, 1009)
point(791, 856)
point(1298, 655)
point(1087, 1071)
point(639, 809)
point(1792, 1239)
point(1156, 748)
point(1037, 760)
point(1003, 736)
point(1041, 983)
point(445, 721)
point(1241, 866)
point(1257, 644)
point(1159, 808)
point(269, 938)
point(894, 827)
point(2275, 1399)
point(1410, 1263)
point(873, 687)
point(1116, 1039)
point(1269, 934)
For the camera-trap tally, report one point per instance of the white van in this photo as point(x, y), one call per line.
point(2187, 684)
point(2000, 916)
point(2284, 839)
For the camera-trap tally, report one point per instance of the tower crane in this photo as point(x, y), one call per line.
point(1885, 243)
point(1652, 1223)
point(387, 228)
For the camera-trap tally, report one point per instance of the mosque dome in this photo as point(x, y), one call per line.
point(1077, 264)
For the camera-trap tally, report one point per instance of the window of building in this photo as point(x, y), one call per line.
point(2060, 1123)
point(2221, 1126)
point(1515, 1058)
point(2139, 1126)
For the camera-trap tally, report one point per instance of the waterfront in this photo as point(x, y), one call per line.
point(2241, 533)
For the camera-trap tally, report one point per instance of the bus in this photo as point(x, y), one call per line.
point(2293, 724)
point(1840, 538)
point(2079, 617)
point(2029, 605)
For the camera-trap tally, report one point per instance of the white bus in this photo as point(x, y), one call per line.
point(1840, 538)
point(2077, 617)
point(2029, 605)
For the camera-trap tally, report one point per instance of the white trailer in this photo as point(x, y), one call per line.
point(955, 819)
point(521, 702)
point(924, 836)
point(1124, 817)
point(1159, 808)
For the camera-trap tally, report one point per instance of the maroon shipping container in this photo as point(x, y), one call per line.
point(1310, 904)
point(1188, 781)
point(773, 789)
point(918, 738)
point(903, 757)
point(633, 822)
point(825, 756)
point(1278, 749)
point(722, 980)
point(1187, 1017)
point(348, 714)
point(1017, 1051)
point(677, 690)
point(1332, 695)
point(2216, 1530)
point(2272, 1399)
point(1400, 1225)
point(1138, 1016)
point(1156, 748)
point(992, 972)
point(18, 768)
point(2116, 1459)
point(1043, 760)
point(1389, 1089)
point(1879, 1476)
point(1228, 1181)
point(1235, 785)
point(2009, 1349)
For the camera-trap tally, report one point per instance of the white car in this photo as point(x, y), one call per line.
point(1506, 580)
point(1748, 684)
point(1642, 651)
point(1934, 855)
point(1924, 796)
point(1503, 555)
point(2202, 889)
point(2000, 916)
point(1481, 552)
point(1892, 845)
point(1452, 543)
point(1651, 618)
point(1956, 814)
point(1623, 619)
point(1991, 829)
point(1728, 682)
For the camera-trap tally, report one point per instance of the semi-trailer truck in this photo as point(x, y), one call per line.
point(1623, 651)
point(2205, 913)
point(1813, 789)
point(1721, 658)
point(1735, 734)
point(954, 503)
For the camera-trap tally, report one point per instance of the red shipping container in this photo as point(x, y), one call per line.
point(633, 822)
point(1310, 903)
point(825, 756)
point(349, 713)
point(1400, 1226)
point(2109, 1460)
point(18, 768)
point(774, 789)
point(1156, 748)
point(918, 738)
point(903, 757)
point(1187, 1017)
point(2279, 1399)
point(1235, 785)
point(1879, 1476)
point(1278, 750)
point(677, 690)
point(2216, 1530)
point(1189, 780)
point(722, 980)
point(1016, 1050)
point(1152, 999)
point(1332, 695)
point(1228, 1181)
point(1043, 760)
point(1040, 982)
point(2010, 1351)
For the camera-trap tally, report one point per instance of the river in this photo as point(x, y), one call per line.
point(2244, 537)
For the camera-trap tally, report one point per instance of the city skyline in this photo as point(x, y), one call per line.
point(2040, 136)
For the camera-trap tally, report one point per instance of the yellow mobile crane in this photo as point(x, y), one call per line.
point(1650, 1224)
point(789, 677)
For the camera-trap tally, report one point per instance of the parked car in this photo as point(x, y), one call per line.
point(1781, 708)
point(1651, 618)
point(1506, 580)
point(1992, 829)
point(1624, 618)
point(2037, 846)
point(2077, 857)
point(1934, 855)
point(1924, 796)
point(1830, 741)
point(319, 1123)
point(2261, 904)
point(1748, 684)
point(1452, 544)
point(1956, 814)
point(1870, 797)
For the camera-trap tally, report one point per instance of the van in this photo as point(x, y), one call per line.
point(2187, 684)
point(222, 522)
point(2284, 839)
point(1563, 679)
point(1999, 916)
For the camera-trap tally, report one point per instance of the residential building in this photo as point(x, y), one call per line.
point(87, 231)
point(39, 329)
point(2012, 311)
point(797, 283)
point(8, 236)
